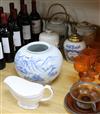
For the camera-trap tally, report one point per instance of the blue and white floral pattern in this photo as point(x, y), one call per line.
point(36, 68)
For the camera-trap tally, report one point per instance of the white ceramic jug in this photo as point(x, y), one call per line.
point(49, 37)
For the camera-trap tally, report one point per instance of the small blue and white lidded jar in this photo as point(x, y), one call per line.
point(73, 46)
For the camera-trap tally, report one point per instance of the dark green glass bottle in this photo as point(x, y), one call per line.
point(26, 26)
point(7, 39)
point(36, 22)
point(18, 42)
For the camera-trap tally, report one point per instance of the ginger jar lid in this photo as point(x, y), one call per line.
point(75, 38)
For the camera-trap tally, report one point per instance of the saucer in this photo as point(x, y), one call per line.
point(70, 105)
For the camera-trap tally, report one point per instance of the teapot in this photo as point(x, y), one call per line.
point(57, 25)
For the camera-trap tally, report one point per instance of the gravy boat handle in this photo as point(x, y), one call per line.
point(51, 93)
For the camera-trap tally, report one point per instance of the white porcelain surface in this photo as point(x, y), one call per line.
point(72, 49)
point(28, 94)
point(49, 37)
point(57, 26)
point(39, 62)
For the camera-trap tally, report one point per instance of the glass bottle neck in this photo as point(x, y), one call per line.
point(33, 5)
point(11, 6)
point(1, 10)
point(14, 13)
point(24, 9)
point(21, 4)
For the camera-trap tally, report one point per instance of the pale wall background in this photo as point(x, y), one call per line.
point(81, 10)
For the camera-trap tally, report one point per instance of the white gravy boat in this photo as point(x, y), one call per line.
point(28, 94)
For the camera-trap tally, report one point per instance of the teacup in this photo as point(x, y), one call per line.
point(86, 95)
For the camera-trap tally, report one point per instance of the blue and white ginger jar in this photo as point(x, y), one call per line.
point(39, 62)
point(73, 47)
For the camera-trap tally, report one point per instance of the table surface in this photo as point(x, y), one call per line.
point(60, 86)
